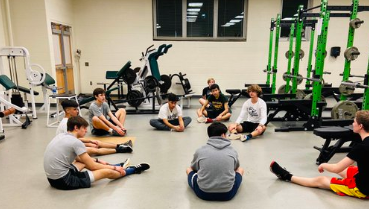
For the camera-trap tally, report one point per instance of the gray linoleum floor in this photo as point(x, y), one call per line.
point(23, 183)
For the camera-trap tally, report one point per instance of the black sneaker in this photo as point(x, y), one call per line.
point(140, 167)
point(124, 149)
point(280, 172)
point(115, 133)
point(128, 143)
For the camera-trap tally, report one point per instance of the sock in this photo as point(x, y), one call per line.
point(289, 177)
point(130, 171)
point(110, 130)
point(249, 136)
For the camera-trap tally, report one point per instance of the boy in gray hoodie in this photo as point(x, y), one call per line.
point(215, 173)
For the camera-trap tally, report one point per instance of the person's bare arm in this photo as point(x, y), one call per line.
point(337, 167)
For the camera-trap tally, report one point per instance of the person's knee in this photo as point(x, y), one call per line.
point(153, 122)
point(122, 111)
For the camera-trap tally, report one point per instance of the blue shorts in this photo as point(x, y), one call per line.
point(224, 196)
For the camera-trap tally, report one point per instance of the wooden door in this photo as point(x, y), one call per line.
point(63, 58)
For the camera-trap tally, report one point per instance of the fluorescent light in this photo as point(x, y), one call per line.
point(193, 10)
point(158, 26)
point(195, 4)
point(235, 21)
point(230, 23)
point(239, 17)
point(191, 16)
point(191, 20)
point(224, 25)
point(192, 13)
point(288, 18)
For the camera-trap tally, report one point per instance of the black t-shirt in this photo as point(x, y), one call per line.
point(206, 92)
point(360, 154)
point(218, 104)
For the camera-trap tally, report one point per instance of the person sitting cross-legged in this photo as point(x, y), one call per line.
point(215, 172)
point(65, 156)
point(94, 147)
point(170, 116)
point(218, 110)
point(353, 180)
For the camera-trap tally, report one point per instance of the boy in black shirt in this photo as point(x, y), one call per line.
point(219, 111)
point(206, 92)
point(354, 180)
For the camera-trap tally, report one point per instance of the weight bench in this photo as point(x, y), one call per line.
point(341, 134)
point(235, 94)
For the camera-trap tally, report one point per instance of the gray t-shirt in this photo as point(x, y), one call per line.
point(96, 110)
point(60, 154)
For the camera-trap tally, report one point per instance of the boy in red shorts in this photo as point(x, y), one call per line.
point(354, 180)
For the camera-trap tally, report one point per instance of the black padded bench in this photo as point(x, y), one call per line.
point(341, 134)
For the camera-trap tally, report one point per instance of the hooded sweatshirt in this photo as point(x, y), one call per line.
point(215, 164)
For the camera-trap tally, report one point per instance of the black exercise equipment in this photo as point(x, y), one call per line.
point(184, 82)
point(341, 134)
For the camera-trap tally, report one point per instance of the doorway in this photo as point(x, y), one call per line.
point(63, 58)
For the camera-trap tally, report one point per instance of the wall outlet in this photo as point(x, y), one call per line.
point(87, 64)
point(90, 83)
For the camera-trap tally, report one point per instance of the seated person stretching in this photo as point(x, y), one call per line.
point(206, 92)
point(102, 120)
point(255, 110)
point(170, 116)
point(215, 173)
point(219, 109)
point(65, 156)
point(353, 180)
point(94, 147)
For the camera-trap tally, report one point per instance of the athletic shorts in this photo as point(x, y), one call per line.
point(347, 186)
point(248, 127)
point(101, 132)
point(224, 196)
point(72, 180)
point(214, 113)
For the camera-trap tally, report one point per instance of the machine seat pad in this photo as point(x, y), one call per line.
point(333, 132)
point(233, 91)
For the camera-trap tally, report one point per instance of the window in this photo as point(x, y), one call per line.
point(289, 9)
point(200, 20)
point(169, 23)
point(230, 18)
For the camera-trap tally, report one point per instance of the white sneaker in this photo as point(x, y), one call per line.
point(234, 136)
point(126, 163)
point(201, 119)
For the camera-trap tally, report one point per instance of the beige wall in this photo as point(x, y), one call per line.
point(111, 32)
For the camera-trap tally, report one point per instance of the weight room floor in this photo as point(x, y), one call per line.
point(24, 185)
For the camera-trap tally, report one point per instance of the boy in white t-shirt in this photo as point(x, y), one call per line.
point(170, 116)
point(255, 110)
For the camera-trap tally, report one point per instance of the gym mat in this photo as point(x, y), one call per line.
point(112, 139)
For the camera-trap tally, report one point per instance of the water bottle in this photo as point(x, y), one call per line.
point(54, 90)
